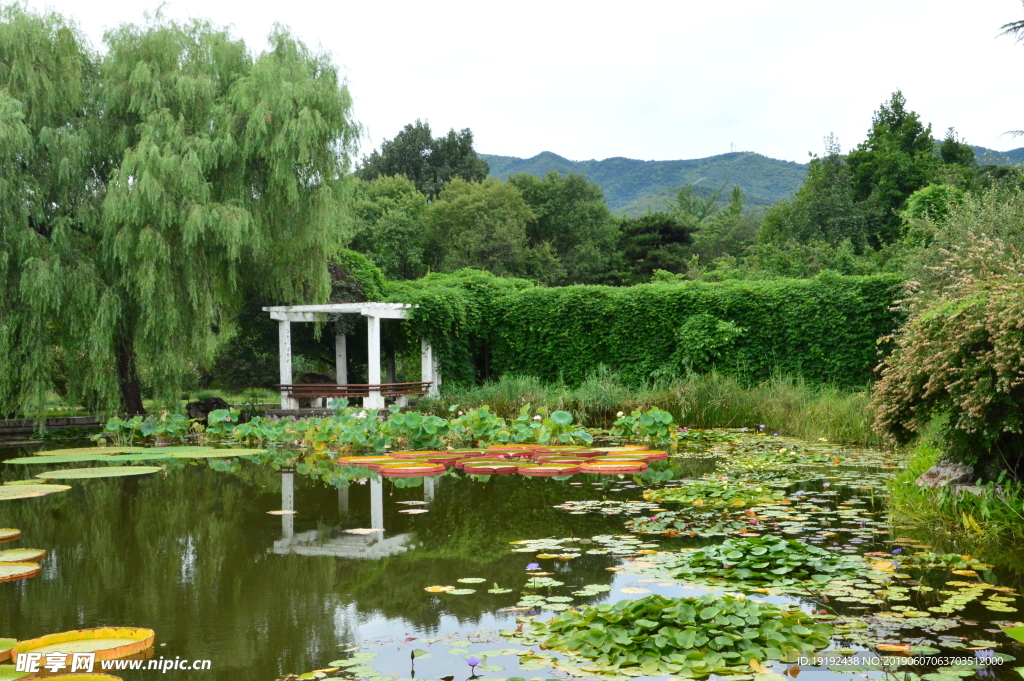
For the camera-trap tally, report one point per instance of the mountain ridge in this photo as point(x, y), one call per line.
point(633, 187)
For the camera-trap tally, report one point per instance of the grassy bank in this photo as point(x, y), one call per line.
point(783, 405)
point(990, 522)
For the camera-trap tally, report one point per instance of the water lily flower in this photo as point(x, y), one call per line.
point(620, 414)
point(533, 566)
point(826, 484)
point(897, 551)
point(775, 434)
point(753, 521)
point(473, 661)
point(761, 426)
point(460, 413)
point(744, 429)
point(537, 417)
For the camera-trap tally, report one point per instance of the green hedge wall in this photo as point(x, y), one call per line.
point(823, 329)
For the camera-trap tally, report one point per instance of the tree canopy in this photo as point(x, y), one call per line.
point(145, 189)
point(428, 161)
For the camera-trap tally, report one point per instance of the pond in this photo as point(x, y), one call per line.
point(408, 580)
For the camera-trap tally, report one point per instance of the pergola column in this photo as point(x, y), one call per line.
point(375, 399)
point(428, 367)
point(284, 348)
point(340, 357)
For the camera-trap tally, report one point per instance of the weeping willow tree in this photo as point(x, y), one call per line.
point(144, 189)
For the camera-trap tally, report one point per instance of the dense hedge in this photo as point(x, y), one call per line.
point(823, 329)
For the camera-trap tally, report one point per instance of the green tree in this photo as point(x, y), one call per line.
point(897, 158)
point(483, 225)
point(823, 209)
point(390, 226)
point(428, 161)
point(728, 232)
point(144, 190)
point(571, 215)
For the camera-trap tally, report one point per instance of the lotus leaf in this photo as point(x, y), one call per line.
point(21, 555)
point(26, 491)
point(99, 472)
point(694, 637)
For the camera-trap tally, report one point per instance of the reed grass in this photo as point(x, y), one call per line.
point(783, 405)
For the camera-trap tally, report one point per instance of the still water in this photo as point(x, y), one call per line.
point(195, 555)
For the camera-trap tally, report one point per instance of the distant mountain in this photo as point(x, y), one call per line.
point(633, 187)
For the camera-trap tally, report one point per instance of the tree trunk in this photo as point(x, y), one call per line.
point(131, 389)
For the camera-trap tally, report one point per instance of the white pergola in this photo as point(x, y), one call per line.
point(284, 315)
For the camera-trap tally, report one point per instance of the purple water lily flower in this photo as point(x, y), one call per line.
point(473, 661)
point(826, 484)
point(533, 566)
point(895, 551)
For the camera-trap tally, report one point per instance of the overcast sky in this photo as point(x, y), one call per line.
point(648, 80)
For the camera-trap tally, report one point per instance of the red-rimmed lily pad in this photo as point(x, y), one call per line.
point(9, 534)
point(613, 467)
point(5, 647)
point(12, 571)
point(490, 468)
point(8, 492)
point(412, 454)
point(371, 462)
point(447, 459)
point(462, 463)
point(548, 470)
point(497, 448)
point(21, 555)
point(648, 454)
point(109, 643)
point(411, 469)
point(97, 472)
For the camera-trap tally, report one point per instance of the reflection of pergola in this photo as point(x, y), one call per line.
point(374, 391)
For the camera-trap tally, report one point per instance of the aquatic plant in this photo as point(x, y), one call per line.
point(758, 562)
point(717, 493)
point(694, 637)
point(653, 427)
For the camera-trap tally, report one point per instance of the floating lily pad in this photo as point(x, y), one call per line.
point(12, 571)
point(21, 555)
point(98, 472)
point(60, 458)
point(9, 534)
point(5, 647)
point(90, 451)
point(472, 580)
point(462, 592)
point(8, 492)
point(108, 643)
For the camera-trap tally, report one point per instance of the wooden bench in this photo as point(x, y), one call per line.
point(352, 390)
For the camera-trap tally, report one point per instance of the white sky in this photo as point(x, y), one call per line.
point(644, 79)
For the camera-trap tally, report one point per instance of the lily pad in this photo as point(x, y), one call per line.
point(12, 571)
point(9, 534)
point(472, 580)
point(5, 647)
point(21, 555)
point(462, 592)
point(108, 643)
point(98, 472)
point(8, 492)
point(60, 458)
point(90, 451)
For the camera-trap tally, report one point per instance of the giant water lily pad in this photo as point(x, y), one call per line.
point(21, 555)
point(12, 571)
point(217, 453)
point(5, 647)
point(59, 458)
point(99, 472)
point(9, 534)
point(90, 451)
point(109, 643)
point(8, 492)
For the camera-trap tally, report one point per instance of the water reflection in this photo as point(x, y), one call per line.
point(331, 541)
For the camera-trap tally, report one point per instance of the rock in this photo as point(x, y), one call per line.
point(200, 409)
point(946, 473)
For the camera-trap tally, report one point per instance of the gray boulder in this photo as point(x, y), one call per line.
point(200, 409)
point(946, 473)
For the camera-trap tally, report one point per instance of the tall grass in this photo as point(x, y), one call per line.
point(783, 405)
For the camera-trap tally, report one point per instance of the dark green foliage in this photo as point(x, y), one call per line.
point(570, 215)
point(895, 160)
point(954, 151)
point(390, 217)
point(656, 241)
point(428, 161)
point(823, 329)
point(634, 187)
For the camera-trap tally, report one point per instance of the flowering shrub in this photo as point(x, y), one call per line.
point(960, 356)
